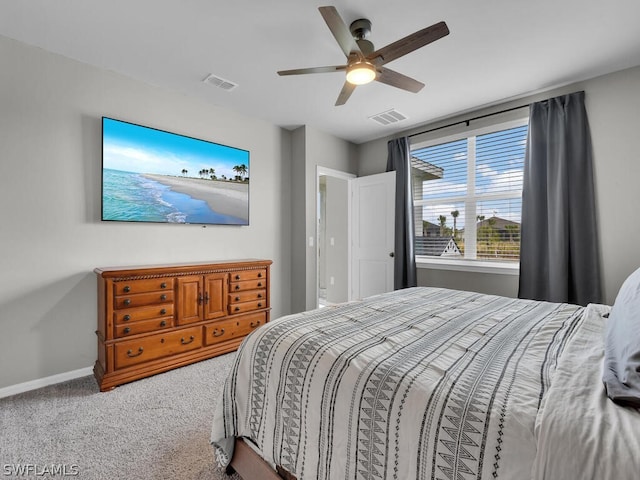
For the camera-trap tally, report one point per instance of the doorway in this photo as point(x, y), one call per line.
point(332, 236)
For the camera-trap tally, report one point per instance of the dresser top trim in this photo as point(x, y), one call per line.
point(181, 269)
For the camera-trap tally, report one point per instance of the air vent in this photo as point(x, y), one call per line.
point(220, 82)
point(388, 117)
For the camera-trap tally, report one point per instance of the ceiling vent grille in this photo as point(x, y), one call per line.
point(388, 117)
point(220, 82)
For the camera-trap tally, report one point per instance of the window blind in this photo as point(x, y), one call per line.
point(468, 196)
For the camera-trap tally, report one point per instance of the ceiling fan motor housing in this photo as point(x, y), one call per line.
point(360, 29)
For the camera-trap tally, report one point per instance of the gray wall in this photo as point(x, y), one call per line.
point(322, 232)
point(311, 148)
point(51, 236)
point(337, 228)
point(493, 284)
point(613, 106)
point(299, 249)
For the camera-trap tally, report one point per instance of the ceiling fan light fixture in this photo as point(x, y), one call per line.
point(361, 73)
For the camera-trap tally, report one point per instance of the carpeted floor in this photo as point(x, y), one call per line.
point(155, 428)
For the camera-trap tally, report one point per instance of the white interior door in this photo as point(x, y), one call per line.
point(372, 234)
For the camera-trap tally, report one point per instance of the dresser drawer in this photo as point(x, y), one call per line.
point(260, 274)
point(143, 327)
point(143, 313)
point(246, 307)
point(247, 296)
point(247, 285)
point(142, 299)
point(142, 286)
point(228, 329)
point(133, 352)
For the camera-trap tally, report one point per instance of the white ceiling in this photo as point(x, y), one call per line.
point(497, 49)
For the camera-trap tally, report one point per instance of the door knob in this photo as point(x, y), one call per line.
point(391, 254)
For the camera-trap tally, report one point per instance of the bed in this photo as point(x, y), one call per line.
point(427, 383)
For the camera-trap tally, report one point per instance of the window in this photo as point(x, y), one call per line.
point(468, 195)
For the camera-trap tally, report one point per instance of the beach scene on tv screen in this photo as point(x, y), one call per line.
point(155, 176)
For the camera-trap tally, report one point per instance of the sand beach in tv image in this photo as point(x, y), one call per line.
point(155, 176)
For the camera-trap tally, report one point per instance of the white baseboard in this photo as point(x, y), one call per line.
point(44, 382)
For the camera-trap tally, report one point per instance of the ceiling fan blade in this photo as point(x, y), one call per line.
point(339, 30)
point(345, 93)
point(302, 71)
point(409, 43)
point(398, 80)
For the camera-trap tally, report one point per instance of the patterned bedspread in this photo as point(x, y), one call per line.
point(421, 383)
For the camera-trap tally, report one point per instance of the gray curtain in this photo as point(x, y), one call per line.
point(559, 256)
point(399, 160)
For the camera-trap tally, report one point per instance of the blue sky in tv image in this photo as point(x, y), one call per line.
point(134, 148)
point(150, 175)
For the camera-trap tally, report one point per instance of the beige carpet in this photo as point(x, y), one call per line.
point(155, 428)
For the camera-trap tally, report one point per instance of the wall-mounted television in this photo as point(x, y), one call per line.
point(150, 175)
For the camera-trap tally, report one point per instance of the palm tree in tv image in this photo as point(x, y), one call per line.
point(241, 170)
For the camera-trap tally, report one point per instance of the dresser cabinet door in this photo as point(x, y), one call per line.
point(190, 299)
point(215, 292)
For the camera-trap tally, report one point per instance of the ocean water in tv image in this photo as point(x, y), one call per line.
point(130, 197)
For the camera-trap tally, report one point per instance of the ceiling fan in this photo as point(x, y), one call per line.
point(364, 64)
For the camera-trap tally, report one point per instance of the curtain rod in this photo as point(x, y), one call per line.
point(469, 120)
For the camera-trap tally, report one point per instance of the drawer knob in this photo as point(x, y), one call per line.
point(259, 305)
point(187, 342)
point(259, 275)
point(131, 354)
point(255, 324)
point(126, 289)
point(163, 297)
point(127, 301)
point(237, 309)
point(126, 330)
point(218, 333)
point(163, 285)
point(259, 284)
point(259, 295)
point(126, 318)
point(237, 299)
point(163, 323)
point(237, 287)
point(163, 311)
point(237, 277)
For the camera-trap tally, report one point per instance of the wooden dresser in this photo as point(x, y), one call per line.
point(155, 318)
